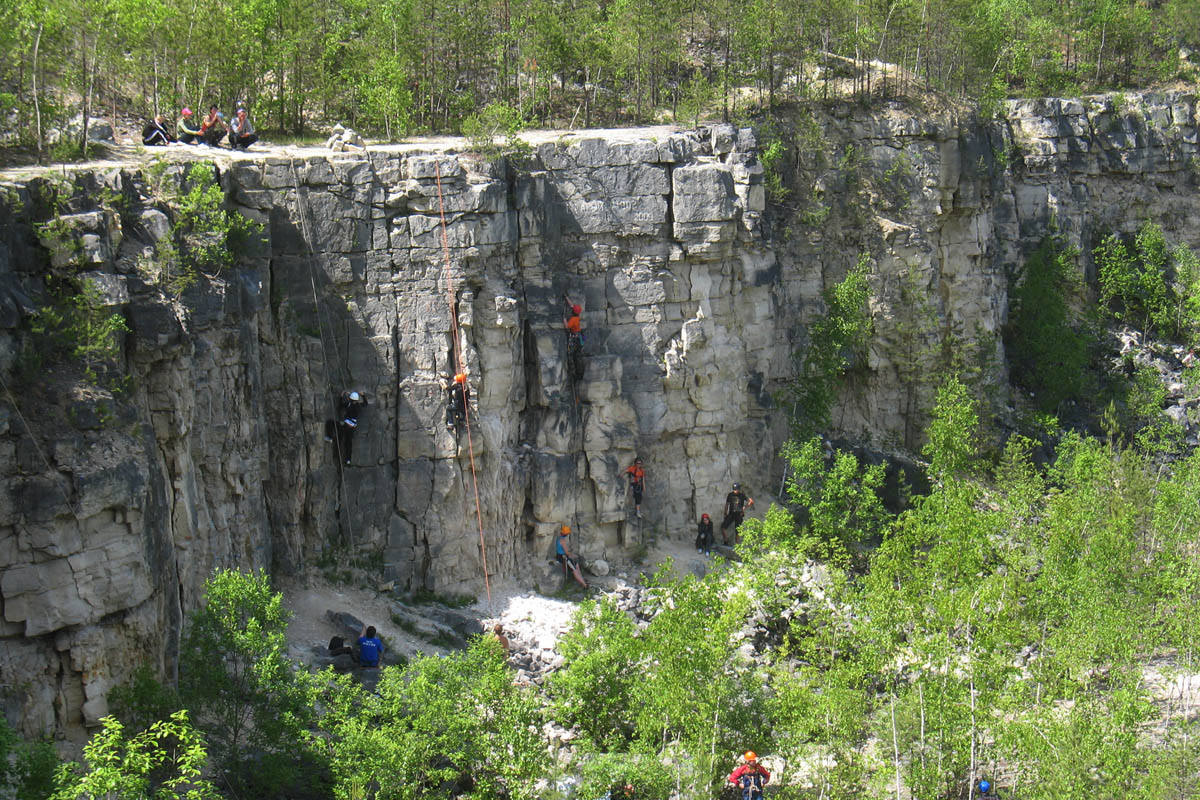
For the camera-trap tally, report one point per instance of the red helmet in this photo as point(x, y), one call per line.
point(704, 516)
point(576, 309)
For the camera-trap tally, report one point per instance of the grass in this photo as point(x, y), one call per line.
point(425, 597)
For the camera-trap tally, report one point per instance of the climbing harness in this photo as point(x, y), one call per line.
point(458, 364)
point(306, 234)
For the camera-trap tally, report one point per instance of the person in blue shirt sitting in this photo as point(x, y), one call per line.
point(370, 649)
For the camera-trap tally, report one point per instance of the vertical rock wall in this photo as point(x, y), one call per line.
point(113, 510)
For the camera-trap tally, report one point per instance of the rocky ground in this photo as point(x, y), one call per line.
point(532, 620)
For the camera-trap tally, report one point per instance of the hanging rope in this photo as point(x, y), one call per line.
point(458, 369)
point(306, 234)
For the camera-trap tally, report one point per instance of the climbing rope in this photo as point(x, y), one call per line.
point(306, 234)
point(458, 363)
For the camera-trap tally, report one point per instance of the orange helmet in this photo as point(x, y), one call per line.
point(750, 757)
point(460, 377)
point(565, 530)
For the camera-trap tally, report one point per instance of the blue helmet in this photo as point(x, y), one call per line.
point(985, 786)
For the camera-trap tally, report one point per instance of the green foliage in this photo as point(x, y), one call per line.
point(443, 727)
point(953, 432)
point(774, 158)
point(1045, 339)
point(162, 762)
point(596, 688)
point(610, 772)
point(27, 769)
point(837, 344)
point(77, 325)
point(207, 233)
point(497, 121)
point(235, 678)
point(841, 500)
point(1150, 285)
point(142, 700)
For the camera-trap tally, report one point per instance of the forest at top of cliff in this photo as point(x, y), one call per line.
point(400, 67)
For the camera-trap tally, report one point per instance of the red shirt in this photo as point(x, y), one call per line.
point(636, 474)
point(573, 324)
point(749, 769)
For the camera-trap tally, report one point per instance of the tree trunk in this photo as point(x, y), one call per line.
point(37, 108)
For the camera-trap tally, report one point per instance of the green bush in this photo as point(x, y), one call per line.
point(76, 324)
point(1046, 342)
point(442, 727)
point(1150, 285)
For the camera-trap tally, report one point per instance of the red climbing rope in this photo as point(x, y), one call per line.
point(458, 369)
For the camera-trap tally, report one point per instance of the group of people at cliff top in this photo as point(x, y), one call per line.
point(210, 130)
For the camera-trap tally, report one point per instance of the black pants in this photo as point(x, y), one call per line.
point(733, 518)
point(155, 138)
point(343, 439)
point(242, 141)
point(575, 357)
point(704, 539)
point(213, 137)
point(188, 138)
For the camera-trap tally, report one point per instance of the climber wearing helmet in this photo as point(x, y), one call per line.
point(349, 406)
point(637, 484)
point(751, 777)
point(574, 340)
point(562, 554)
point(736, 503)
point(704, 535)
point(458, 395)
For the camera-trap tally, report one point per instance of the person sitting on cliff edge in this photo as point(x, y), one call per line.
point(574, 328)
point(350, 406)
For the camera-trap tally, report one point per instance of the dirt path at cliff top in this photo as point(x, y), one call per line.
point(129, 155)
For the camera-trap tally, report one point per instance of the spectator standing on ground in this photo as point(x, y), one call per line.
point(370, 648)
point(736, 503)
point(637, 484)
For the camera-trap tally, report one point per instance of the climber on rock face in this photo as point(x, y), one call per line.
point(562, 554)
point(736, 503)
point(458, 395)
point(349, 407)
point(637, 484)
point(574, 328)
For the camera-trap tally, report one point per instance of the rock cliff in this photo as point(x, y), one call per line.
point(114, 509)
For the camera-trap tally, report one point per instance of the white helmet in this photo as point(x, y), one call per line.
point(354, 396)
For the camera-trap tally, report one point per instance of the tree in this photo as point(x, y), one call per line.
point(235, 678)
point(162, 762)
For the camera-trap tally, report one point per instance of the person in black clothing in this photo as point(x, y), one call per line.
point(350, 406)
point(155, 134)
point(704, 535)
point(458, 394)
point(736, 503)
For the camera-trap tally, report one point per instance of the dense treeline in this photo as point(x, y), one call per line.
point(402, 66)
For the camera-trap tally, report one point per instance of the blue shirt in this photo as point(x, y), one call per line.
point(369, 651)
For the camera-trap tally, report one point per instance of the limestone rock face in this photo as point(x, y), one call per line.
point(695, 295)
